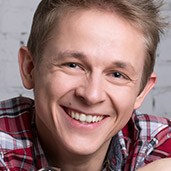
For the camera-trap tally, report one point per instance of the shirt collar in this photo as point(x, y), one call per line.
point(114, 159)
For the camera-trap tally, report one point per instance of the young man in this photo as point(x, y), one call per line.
point(90, 64)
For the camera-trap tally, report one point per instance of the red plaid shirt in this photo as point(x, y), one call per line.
point(144, 139)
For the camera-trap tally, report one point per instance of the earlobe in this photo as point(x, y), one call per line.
point(150, 84)
point(26, 66)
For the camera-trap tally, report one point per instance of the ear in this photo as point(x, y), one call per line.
point(150, 84)
point(26, 66)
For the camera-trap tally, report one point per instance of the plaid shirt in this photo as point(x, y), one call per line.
point(144, 139)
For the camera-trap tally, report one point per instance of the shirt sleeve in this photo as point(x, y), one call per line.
point(163, 147)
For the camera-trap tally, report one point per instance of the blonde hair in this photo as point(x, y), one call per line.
point(143, 14)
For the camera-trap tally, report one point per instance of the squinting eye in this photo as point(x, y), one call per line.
point(117, 75)
point(72, 65)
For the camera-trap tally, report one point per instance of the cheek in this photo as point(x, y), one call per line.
point(123, 104)
point(123, 96)
point(56, 85)
point(123, 101)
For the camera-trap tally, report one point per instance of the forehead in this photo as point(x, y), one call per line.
point(99, 35)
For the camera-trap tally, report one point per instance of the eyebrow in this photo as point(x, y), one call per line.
point(124, 65)
point(65, 54)
point(82, 56)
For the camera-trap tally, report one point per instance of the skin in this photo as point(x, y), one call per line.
point(93, 65)
point(158, 165)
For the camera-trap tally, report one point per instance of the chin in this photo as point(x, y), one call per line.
point(86, 146)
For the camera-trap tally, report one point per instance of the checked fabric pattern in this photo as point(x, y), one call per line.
point(144, 139)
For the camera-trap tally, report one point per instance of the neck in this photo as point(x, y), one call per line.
point(59, 157)
point(82, 163)
point(67, 161)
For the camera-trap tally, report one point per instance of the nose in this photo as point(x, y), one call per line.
point(91, 91)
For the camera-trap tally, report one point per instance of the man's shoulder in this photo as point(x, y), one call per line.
point(146, 125)
point(141, 117)
point(15, 105)
point(145, 138)
point(18, 132)
point(16, 114)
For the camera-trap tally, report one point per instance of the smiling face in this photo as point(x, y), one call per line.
point(87, 85)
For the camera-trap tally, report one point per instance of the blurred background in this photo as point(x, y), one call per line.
point(15, 23)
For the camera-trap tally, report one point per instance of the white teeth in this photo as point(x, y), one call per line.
point(72, 115)
point(85, 118)
point(89, 119)
point(77, 116)
point(94, 118)
point(82, 118)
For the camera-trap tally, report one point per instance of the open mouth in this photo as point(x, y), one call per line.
point(84, 118)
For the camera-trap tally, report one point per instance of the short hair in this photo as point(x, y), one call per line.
point(143, 14)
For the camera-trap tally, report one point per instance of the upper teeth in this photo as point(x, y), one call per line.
point(85, 118)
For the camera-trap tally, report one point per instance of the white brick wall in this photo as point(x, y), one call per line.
point(15, 22)
point(158, 102)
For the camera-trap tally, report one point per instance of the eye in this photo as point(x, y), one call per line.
point(118, 75)
point(72, 65)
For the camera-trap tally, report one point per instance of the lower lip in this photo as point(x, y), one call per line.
point(84, 125)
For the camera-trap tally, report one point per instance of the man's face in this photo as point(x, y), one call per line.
point(88, 82)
